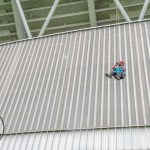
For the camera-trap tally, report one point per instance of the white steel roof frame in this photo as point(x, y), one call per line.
point(144, 9)
point(125, 15)
point(123, 12)
point(45, 23)
point(49, 17)
point(118, 4)
point(23, 19)
point(88, 28)
point(92, 14)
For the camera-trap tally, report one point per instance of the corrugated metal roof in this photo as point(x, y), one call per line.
point(58, 82)
point(104, 139)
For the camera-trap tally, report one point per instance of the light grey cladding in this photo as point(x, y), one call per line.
point(57, 82)
point(99, 139)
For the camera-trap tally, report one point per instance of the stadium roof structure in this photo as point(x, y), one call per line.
point(54, 93)
point(69, 15)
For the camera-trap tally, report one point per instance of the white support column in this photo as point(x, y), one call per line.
point(144, 9)
point(123, 12)
point(20, 29)
point(23, 19)
point(92, 14)
point(48, 17)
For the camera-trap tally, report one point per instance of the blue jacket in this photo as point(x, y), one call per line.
point(119, 69)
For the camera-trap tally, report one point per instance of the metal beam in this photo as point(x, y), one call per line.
point(21, 33)
point(48, 17)
point(92, 14)
point(23, 19)
point(123, 12)
point(144, 9)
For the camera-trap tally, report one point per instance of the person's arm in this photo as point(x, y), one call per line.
point(124, 69)
point(113, 67)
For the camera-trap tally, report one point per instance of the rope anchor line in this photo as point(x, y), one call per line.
point(2, 127)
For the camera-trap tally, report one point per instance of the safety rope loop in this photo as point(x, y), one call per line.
point(2, 127)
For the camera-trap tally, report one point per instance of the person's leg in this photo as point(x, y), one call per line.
point(113, 73)
point(108, 75)
point(122, 76)
point(117, 76)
